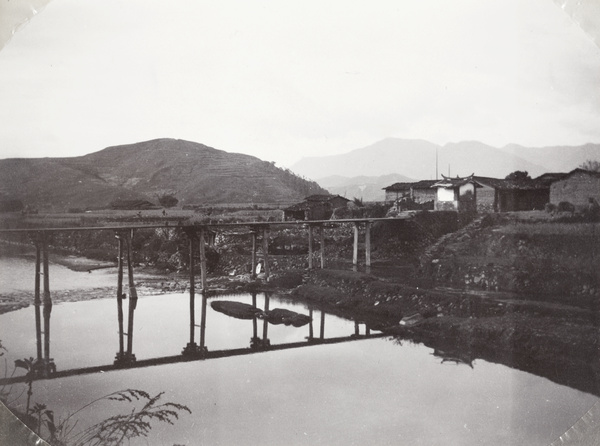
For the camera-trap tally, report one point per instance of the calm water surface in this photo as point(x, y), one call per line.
point(369, 391)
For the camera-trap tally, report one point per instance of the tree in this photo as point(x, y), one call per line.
point(591, 165)
point(518, 176)
point(168, 201)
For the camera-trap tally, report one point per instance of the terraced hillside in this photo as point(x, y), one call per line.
point(193, 172)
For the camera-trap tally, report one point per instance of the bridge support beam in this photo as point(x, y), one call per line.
point(265, 242)
point(355, 248)
point(203, 269)
point(253, 261)
point(47, 309)
point(310, 246)
point(322, 328)
point(120, 296)
point(368, 246)
point(37, 301)
point(128, 357)
point(322, 248)
point(192, 348)
point(265, 339)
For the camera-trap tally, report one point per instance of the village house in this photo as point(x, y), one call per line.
point(396, 192)
point(502, 195)
point(456, 194)
point(419, 193)
point(577, 187)
point(315, 207)
point(423, 193)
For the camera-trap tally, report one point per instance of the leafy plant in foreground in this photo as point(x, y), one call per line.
point(118, 428)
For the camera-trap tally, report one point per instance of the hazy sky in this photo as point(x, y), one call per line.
point(285, 79)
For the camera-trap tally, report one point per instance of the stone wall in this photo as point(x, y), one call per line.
point(577, 189)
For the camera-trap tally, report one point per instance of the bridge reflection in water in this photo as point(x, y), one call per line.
point(258, 331)
point(199, 237)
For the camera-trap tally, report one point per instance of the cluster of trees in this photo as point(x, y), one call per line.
point(591, 165)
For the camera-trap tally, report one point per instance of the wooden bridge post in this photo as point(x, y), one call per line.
point(120, 296)
point(47, 302)
point(311, 334)
point(265, 340)
point(322, 331)
point(202, 246)
point(204, 280)
point(310, 246)
point(355, 248)
point(322, 249)
point(255, 340)
point(368, 245)
point(37, 301)
point(202, 348)
point(253, 267)
point(192, 348)
point(129, 356)
point(266, 251)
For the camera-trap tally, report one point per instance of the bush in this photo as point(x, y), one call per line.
point(565, 206)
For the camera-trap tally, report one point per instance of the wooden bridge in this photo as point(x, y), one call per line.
point(199, 235)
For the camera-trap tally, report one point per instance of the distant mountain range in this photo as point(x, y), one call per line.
point(417, 159)
point(362, 187)
point(192, 172)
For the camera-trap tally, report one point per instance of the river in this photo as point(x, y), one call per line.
point(376, 391)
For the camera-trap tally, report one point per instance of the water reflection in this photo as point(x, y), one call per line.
point(274, 325)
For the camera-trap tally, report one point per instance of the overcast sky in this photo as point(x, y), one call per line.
point(285, 79)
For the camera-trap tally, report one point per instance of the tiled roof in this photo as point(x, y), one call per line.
point(323, 198)
point(424, 184)
point(496, 183)
point(398, 187)
point(447, 182)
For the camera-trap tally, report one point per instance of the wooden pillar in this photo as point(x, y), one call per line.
point(368, 245)
point(37, 301)
point(311, 334)
point(132, 298)
point(322, 331)
point(120, 295)
point(355, 248)
point(192, 291)
point(266, 251)
point(254, 341)
point(204, 280)
point(202, 246)
point(265, 339)
point(253, 267)
point(47, 301)
point(322, 246)
point(310, 246)
point(203, 324)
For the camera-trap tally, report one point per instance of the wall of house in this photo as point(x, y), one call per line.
point(338, 202)
point(445, 200)
point(486, 199)
point(423, 195)
point(576, 189)
point(392, 196)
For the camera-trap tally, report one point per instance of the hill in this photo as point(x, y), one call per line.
point(417, 159)
point(194, 173)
